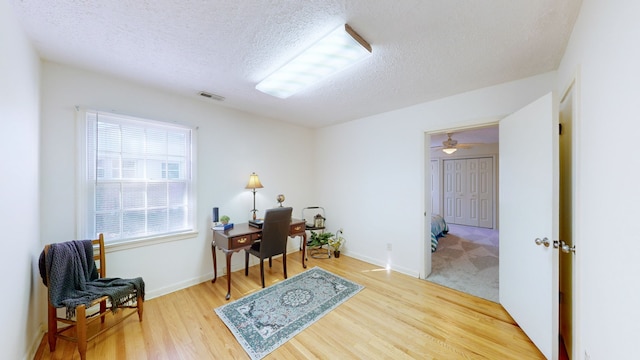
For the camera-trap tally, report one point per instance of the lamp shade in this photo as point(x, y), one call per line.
point(449, 151)
point(254, 182)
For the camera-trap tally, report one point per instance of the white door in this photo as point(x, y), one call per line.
point(460, 191)
point(529, 210)
point(470, 207)
point(435, 187)
point(449, 191)
point(485, 192)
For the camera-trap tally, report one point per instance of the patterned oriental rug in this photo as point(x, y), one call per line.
point(266, 319)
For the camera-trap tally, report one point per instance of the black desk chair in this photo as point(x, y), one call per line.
point(275, 233)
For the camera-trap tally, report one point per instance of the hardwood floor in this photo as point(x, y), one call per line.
point(395, 317)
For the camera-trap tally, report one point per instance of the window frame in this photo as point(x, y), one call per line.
point(86, 186)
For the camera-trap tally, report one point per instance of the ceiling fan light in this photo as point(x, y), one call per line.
point(449, 151)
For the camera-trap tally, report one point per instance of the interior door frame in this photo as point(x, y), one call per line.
point(426, 260)
point(572, 93)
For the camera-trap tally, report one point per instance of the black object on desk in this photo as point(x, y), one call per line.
point(256, 223)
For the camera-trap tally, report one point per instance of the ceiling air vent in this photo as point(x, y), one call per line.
point(211, 96)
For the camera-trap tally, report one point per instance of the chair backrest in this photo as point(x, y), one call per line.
point(98, 259)
point(275, 231)
point(99, 256)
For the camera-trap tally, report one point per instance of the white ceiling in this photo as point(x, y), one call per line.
point(422, 49)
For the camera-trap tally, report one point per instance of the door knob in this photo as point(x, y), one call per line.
point(546, 242)
point(566, 248)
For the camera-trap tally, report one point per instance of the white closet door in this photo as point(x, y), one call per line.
point(449, 191)
point(435, 187)
point(485, 192)
point(468, 192)
point(470, 207)
point(460, 192)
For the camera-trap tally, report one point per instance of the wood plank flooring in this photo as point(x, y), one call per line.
point(395, 317)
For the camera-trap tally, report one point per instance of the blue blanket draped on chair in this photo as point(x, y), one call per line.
point(73, 278)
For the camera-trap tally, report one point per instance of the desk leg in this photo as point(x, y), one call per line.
point(215, 263)
point(304, 249)
point(228, 275)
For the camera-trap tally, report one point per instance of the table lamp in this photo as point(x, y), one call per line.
point(254, 183)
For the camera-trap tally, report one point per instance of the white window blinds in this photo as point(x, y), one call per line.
point(138, 177)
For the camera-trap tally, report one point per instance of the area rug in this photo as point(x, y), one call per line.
point(467, 259)
point(266, 319)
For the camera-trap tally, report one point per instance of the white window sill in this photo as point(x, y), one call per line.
point(131, 244)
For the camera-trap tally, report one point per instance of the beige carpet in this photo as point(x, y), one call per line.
point(467, 260)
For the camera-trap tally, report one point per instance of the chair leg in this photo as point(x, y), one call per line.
point(103, 310)
point(140, 303)
point(81, 330)
point(262, 272)
point(52, 327)
point(284, 263)
point(270, 262)
point(246, 263)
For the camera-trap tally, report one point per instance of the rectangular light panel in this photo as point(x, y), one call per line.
point(340, 49)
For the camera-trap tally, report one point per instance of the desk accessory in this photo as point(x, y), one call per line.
point(256, 223)
point(254, 183)
point(223, 226)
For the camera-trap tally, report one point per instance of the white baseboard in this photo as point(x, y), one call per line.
point(383, 265)
point(178, 286)
point(35, 343)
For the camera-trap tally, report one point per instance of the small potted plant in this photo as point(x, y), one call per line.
point(319, 239)
point(336, 243)
point(224, 219)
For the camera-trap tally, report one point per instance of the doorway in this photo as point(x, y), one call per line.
point(566, 191)
point(464, 193)
point(567, 187)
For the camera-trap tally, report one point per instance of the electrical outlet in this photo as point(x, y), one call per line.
point(388, 246)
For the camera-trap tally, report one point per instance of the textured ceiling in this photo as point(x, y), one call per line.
point(422, 49)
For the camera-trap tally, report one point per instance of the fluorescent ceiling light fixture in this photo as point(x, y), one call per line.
point(338, 50)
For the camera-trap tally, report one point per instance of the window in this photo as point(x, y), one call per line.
point(138, 178)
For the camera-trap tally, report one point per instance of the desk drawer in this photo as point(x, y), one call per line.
point(298, 228)
point(244, 240)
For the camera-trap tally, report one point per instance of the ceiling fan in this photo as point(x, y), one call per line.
point(450, 145)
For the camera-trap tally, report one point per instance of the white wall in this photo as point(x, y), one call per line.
point(19, 176)
point(373, 178)
point(604, 50)
point(231, 145)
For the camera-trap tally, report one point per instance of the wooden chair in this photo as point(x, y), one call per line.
point(275, 233)
point(84, 318)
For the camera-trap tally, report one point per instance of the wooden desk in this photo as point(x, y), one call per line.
point(241, 237)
